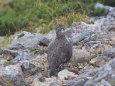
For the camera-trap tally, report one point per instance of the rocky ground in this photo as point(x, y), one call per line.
point(92, 63)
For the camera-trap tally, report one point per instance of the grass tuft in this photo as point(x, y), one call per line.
point(5, 42)
point(98, 11)
point(8, 63)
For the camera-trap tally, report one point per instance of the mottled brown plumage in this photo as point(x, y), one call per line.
point(59, 52)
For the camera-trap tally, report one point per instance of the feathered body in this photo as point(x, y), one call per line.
point(59, 52)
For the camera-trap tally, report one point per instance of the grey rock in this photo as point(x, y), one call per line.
point(28, 41)
point(77, 27)
point(68, 32)
point(55, 84)
point(20, 34)
point(24, 55)
point(90, 38)
point(77, 37)
point(48, 82)
point(105, 23)
point(44, 41)
point(112, 12)
point(40, 77)
point(10, 52)
point(50, 36)
point(98, 5)
point(81, 56)
point(109, 36)
point(103, 76)
point(92, 83)
point(66, 75)
point(31, 78)
point(18, 55)
point(16, 46)
point(29, 68)
point(97, 25)
point(91, 20)
point(109, 10)
point(109, 53)
point(78, 82)
point(20, 47)
point(2, 38)
point(95, 44)
point(12, 74)
point(85, 36)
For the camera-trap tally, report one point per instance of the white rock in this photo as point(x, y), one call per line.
point(48, 82)
point(65, 74)
point(99, 5)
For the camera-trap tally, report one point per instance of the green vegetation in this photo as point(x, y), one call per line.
point(1, 52)
point(5, 42)
point(98, 11)
point(42, 15)
point(8, 63)
point(21, 35)
point(67, 20)
point(99, 39)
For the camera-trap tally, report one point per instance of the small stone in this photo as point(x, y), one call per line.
point(48, 82)
point(93, 61)
point(109, 52)
point(113, 39)
point(29, 68)
point(97, 62)
point(96, 51)
point(2, 61)
point(66, 75)
point(40, 77)
point(31, 78)
point(55, 84)
point(24, 55)
point(81, 56)
point(36, 82)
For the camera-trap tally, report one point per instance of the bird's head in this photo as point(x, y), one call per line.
point(58, 30)
point(59, 27)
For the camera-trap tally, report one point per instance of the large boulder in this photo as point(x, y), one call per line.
point(84, 36)
point(17, 55)
point(103, 76)
point(108, 53)
point(12, 75)
point(80, 56)
point(22, 45)
point(28, 41)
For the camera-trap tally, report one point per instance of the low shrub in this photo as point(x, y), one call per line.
point(98, 11)
point(18, 15)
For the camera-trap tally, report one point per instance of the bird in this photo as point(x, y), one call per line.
point(59, 51)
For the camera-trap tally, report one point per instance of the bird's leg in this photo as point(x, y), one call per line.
point(61, 67)
point(49, 73)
